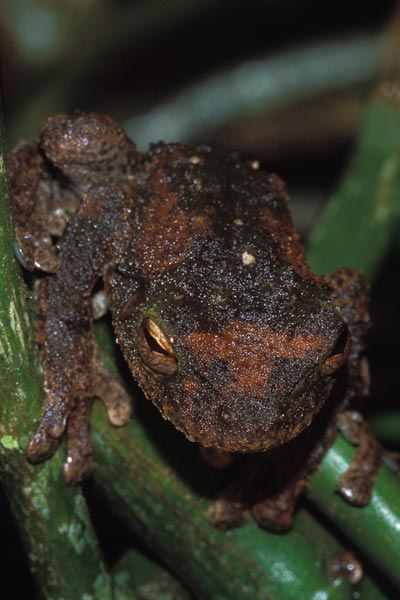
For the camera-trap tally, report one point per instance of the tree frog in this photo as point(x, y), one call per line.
point(217, 313)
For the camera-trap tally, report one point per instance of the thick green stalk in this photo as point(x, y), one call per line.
point(357, 228)
point(375, 528)
point(386, 426)
point(143, 472)
point(134, 571)
point(364, 214)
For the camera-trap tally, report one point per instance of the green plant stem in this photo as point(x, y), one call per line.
point(134, 571)
point(364, 214)
point(386, 426)
point(375, 528)
point(358, 226)
point(154, 499)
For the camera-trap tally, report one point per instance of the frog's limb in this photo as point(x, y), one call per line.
point(349, 292)
point(88, 147)
point(118, 402)
point(79, 461)
point(227, 513)
point(49, 175)
point(41, 206)
point(65, 324)
point(356, 484)
point(276, 513)
point(272, 508)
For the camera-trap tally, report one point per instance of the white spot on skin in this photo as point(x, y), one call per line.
point(248, 259)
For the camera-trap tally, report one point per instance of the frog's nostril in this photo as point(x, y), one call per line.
point(339, 354)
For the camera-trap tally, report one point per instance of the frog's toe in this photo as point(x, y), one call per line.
point(225, 514)
point(119, 405)
point(275, 514)
point(79, 463)
point(77, 467)
point(356, 487)
point(118, 402)
point(42, 446)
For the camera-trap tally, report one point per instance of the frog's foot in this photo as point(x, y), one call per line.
point(79, 463)
point(51, 427)
point(228, 514)
point(275, 513)
point(356, 484)
point(118, 402)
point(41, 204)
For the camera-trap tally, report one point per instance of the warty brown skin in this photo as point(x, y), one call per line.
point(222, 322)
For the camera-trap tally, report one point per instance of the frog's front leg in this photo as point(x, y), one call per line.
point(73, 373)
point(356, 484)
point(349, 292)
point(266, 486)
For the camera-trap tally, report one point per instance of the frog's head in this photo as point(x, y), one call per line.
point(238, 354)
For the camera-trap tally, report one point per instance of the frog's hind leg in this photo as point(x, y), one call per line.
point(356, 484)
point(257, 490)
point(42, 205)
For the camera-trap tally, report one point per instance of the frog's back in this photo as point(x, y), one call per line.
point(187, 194)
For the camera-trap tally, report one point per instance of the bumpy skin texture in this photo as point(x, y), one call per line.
point(216, 311)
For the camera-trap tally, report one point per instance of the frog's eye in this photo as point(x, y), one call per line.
point(156, 349)
point(339, 354)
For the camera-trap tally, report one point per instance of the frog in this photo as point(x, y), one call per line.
point(223, 324)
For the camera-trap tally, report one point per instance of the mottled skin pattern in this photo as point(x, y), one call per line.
point(217, 313)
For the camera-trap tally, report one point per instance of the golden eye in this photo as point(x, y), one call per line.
point(156, 349)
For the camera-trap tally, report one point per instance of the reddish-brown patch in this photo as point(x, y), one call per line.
point(168, 231)
point(90, 208)
point(249, 351)
point(288, 241)
point(190, 385)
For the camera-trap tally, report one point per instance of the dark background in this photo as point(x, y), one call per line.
point(132, 59)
